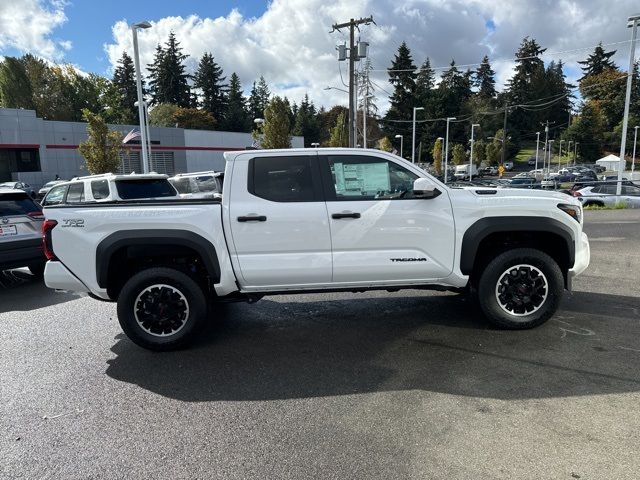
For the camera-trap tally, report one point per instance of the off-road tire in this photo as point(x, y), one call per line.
point(502, 269)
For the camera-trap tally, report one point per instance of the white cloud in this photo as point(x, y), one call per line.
point(27, 26)
point(291, 46)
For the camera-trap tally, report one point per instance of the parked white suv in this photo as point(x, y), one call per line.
point(109, 188)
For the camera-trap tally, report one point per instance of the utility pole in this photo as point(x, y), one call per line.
point(504, 133)
point(354, 55)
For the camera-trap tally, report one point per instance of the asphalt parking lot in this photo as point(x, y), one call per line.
point(377, 385)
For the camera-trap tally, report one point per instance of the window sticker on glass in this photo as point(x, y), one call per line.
point(365, 179)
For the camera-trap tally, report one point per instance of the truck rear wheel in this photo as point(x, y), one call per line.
point(520, 288)
point(161, 309)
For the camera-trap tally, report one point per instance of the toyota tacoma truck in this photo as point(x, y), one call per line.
point(315, 220)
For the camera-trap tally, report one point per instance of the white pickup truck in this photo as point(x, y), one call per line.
point(316, 220)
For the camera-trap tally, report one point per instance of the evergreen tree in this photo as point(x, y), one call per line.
point(126, 92)
point(306, 122)
point(212, 92)
point(15, 87)
point(402, 75)
point(597, 62)
point(236, 118)
point(168, 78)
point(425, 82)
point(339, 134)
point(276, 128)
point(259, 98)
point(528, 83)
point(485, 79)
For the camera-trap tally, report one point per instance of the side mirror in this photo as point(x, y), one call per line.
point(423, 188)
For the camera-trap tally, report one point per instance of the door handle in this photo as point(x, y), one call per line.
point(338, 216)
point(252, 218)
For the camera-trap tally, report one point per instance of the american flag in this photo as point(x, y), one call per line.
point(255, 144)
point(133, 134)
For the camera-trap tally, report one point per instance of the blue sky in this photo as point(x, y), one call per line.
point(88, 27)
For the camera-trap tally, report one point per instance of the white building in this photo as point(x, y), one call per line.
point(34, 150)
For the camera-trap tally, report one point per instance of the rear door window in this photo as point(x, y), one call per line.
point(139, 189)
point(282, 179)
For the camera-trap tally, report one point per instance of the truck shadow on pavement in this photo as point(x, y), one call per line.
point(275, 350)
point(21, 291)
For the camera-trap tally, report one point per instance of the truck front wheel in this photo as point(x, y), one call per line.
point(161, 309)
point(520, 288)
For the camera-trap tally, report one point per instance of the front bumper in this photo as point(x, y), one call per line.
point(58, 277)
point(583, 257)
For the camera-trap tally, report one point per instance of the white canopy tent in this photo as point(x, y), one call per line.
point(611, 162)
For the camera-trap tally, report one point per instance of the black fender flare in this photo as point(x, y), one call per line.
point(126, 238)
point(488, 225)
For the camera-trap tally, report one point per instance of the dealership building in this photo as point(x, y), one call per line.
point(35, 151)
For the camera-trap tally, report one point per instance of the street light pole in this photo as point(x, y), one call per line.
point(633, 158)
point(141, 113)
point(473, 125)
point(537, 147)
point(446, 149)
point(575, 152)
point(413, 138)
point(569, 151)
point(633, 23)
point(401, 143)
point(560, 153)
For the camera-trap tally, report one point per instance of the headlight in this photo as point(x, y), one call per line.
point(574, 211)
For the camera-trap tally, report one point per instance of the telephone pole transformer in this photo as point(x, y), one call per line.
point(354, 55)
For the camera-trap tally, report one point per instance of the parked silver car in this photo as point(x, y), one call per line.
point(25, 187)
point(605, 195)
point(20, 237)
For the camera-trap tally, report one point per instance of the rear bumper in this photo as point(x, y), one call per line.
point(21, 253)
point(583, 257)
point(57, 276)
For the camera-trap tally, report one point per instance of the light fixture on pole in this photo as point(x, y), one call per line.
point(315, 144)
point(446, 149)
point(413, 137)
point(136, 59)
point(401, 143)
point(633, 23)
point(473, 125)
point(537, 147)
point(633, 158)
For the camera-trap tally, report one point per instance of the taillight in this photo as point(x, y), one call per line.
point(47, 246)
point(36, 215)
